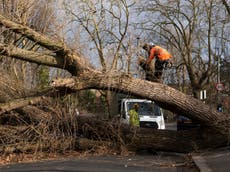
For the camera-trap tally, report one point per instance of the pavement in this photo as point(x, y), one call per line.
point(210, 161)
point(213, 161)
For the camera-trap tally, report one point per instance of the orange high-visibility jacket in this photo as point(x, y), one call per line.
point(160, 52)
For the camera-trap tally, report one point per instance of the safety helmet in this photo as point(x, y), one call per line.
point(147, 47)
point(152, 44)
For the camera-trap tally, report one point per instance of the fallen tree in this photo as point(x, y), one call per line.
point(85, 77)
point(165, 96)
point(98, 132)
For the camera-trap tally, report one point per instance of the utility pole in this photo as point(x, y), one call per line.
point(218, 72)
point(137, 55)
point(218, 66)
point(138, 39)
point(219, 84)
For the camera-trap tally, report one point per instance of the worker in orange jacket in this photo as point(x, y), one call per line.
point(161, 56)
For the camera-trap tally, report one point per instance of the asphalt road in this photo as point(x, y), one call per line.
point(142, 162)
point(163, 162)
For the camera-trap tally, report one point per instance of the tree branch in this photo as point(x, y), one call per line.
point(73, 61)
point(32, 56)
point(32, 35)
point(226, 6)
point(18, 103)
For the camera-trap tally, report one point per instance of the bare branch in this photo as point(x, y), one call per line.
point(227, 6)
point(32, 35)
point(18, 103)
point(31, 56)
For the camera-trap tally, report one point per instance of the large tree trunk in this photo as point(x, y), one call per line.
point(163, 95)
point(87, 78)
point(135, 138)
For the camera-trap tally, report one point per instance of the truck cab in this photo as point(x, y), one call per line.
point(150, 115)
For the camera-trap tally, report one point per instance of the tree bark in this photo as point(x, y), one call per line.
point(31, 56)
point(19, 103)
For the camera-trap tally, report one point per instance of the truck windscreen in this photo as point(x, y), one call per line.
point(145, 108)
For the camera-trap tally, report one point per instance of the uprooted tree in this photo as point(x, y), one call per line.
point(215, 127)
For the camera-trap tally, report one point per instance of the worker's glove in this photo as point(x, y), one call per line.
point(169, 64)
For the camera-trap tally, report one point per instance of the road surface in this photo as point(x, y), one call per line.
point(162, 162)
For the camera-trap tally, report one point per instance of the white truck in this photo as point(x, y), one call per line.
point(151, 115)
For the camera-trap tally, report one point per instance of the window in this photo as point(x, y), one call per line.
point(145, 108)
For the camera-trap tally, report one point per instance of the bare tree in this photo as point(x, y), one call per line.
point(190, 27)
point(105, 24)
point(35, 14)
